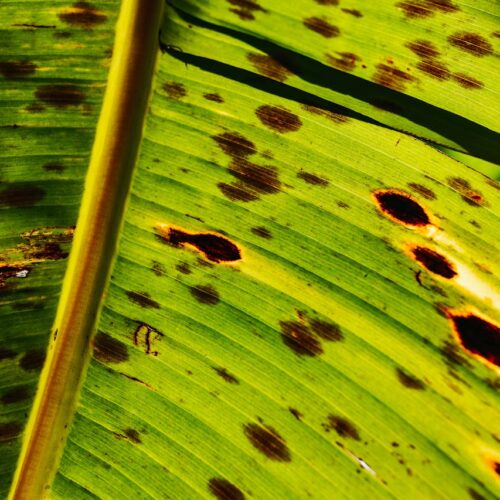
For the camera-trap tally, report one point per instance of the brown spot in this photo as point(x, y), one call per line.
point(35, 108)
point(353, 12)
point(214, 97)
point(12, 271)
point(235, 145)
point(143, 299)
point(6, 354)
point(54, 166)
point(409, 381)
point(82, 15)
point(312, 178)
point(342, 426)
point(62, 34)
point(434, 262)
point(296, 413)
point(146, 337)
point(336, 117)
point(224, 490)
point(467, 81)
point(237, 191)
point(392, 77)
point(262, 231)
point(183, 268)
point(346, 61)
point(108, 349)
point(478, 336)
point(327, 2)
point(9, 431)
point(423, 49)
point(205, 294)
point(158, 268)
point(268, 442)
point(453, 355)
point(401, 207)
point(15, 70)
point(33, 360)
point(228, 377)
point(435, 69)
point(175, 90)
point(426, 8)
point(300, 339)
point(469, 195)
point(268, 66)
point(475, 495)
point(327, 330)
point(496, 34)
point(278, 118)
point(133, 435)
point(21, 196)
point(342, 204)
point(422, 190)
point(49, 251)
point(493, 183)
point(15, 395)
point(472, 43)
point(245, 9)
point(60, 96)
point(321, 26)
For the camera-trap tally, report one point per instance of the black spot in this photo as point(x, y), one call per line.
point(205, 294)
point(235, 145)
point(143, 299)
point(469, 195)
point(435, 69)
point(423, 49)
point(108, 349)
point(392, 77)
point(278, 118)
point(434, 262)
point(214, 97)
point(300, 339)
point(82, 15)
point(54, 166)
point(402, 208)
point(15, 395)
point(21, 196)
point(471, 43)
point(345, 61)
point(296, 413)
point(7, 354)
point(175, 90)
point(312, 179)
point(60, 96)
point(321, 26)
point(262, 231)
point(228, 377)
point(33, 360)
point(9, 431)
point(326, 330)
point(475, 495)
point(426, 8)
point(268, 442)
point(342, 426)
point(268, 66)
point(15, 70)
point(353, 12)
point(478, 336)
point(245, 9)
point(422, 190)
point(409, 381)
point(467, 81)
point(183, 268)
point(224, 490)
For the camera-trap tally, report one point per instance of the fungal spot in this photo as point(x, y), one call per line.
point(108, 349)
point(33, 360)
point(321, 26)
point(235, 145)
point(453, 355)
point(401, 207)
point(300, 339)
point(16, 70)
point(49, 251)
point(6, 354)
point(205, 294)
point(129, 434)
point(21, 196)
point(392, 77)
point(278, 118)
point(214, 247)
point(467, 81)
point(336, 117)
point(343, 204)
point(423, 49)
point(262, 232)
point(353, 12)
point(327, 2)
point(146, 337)
point(245, 9)
point(225, 375)
point(296, 413)
point(434, 262)
point(62, 34)
point(327, 330)
point(265, 439)
point(184, 268)
point(60, 96)
point(9, 431)
point(268, 66)
point(409, 381)
point(469, 195)
point(475, 495)
point(312, 179)
point(345, 61)
point(342, 426)
point(478, 336)
point(422, 190)
point(54, 166)
point(82, 15)
point(158, 268)
point(222, 489)
point(143, 299)
point(15, 395)
point(175, 90)
point(435, 69)
point(471, 43)
point(35, 108)
point(493, 183)
point(214, 97)
point(426, 8)
point(12, 271)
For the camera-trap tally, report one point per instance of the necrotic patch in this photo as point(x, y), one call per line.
point(471, 43)
point(327, 330)
point(205, 294)
point(423, 48)
point(401, 207)
point(214, 97)
point(392, 77)
point(262, 231)
point(225, 375)
point(342, 426)
point(467, 81)
point(322, 26)
point(9, 431)
point(345, 61)
point(300, 339)
point(175, 90)
point(278, 118)
point(33, 360)
point(314, 179)
point(15, 70)
point(60, 96)
point(468, 194)
point(245, 9)
point(434, 262)
point(268, 66)
point(143, 299)
point(108, 349)
point(21, 196)
point(268, 441)
point(422, 190)
point(409, 381)
point(435, 69)
point(222, 489)
point(82, 15)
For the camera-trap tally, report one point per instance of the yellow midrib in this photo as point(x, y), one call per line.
point(114, 153)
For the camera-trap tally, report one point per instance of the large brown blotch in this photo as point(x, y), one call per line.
point(60, 95)
point(423, 49)
point(16, 395)
point(472, 43)
point(401, 207)
point(278, 118)
point(175, 90)
point(234, 144)
point(21, 196)
point(327, 330)
point(434, 262)
point(322, 26)
point(15, 70)
point(82, 15)
point(434, 68)
point(267, 440)
point(222, 489)
point(467, 81)
point(107, 349)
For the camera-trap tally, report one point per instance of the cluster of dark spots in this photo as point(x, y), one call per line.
point(129, 434)
point(175, 90)
point(158, 268)
point(296, 413)
point(268, 66)
point(6, 354)
point(336, 117)
point(60, 96)
point(422, 190)
point(409, 381)
point(9, 431)
point(345, 61)
point(300, 339)
point(321, 26)
point(214, 97)
point(314, 179)
point(392, 77)
point(184, 268)
point(475, 495)
point(278, 118)
point(15, 395)
point(268, 441)
point(426, 8)
point(21, 196)
point(143, 299)
point(108, 349)
point(262, 232)
point(434, 68)
point(326, 330)
point(33, 360)
point(478, 336)
point(467, 81)
point(423, 49)
point(342, 426)
point(245, 9)
point(205, 294)
point(82, 15)
point(225, 375)
point(471, 43)
point(222, 489)
point(434, 262)
point(353, 12)
point(54, 166)
point(468, 194)
point(385, 105)
point(401, 207)
point(15, 70)
point(146, 337)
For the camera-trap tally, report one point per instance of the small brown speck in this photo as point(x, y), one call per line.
point(314, 179)
point(262, 232)
point(214, 97)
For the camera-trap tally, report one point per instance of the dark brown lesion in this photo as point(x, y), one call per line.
point(269, 66)
point(83, 15)
point(17, 70)
point(401, 207)
point(409, 380)
point(268, 441)
point(245, 9)
point(222, 489)
point(342, 426)
point(322, 26)
point(434, 262)
point(61, 95)
point(143, 299)
point(470, 195)
point(108, 349)
point(472, 43)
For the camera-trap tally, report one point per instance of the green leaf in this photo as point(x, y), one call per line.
point(302, 302)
